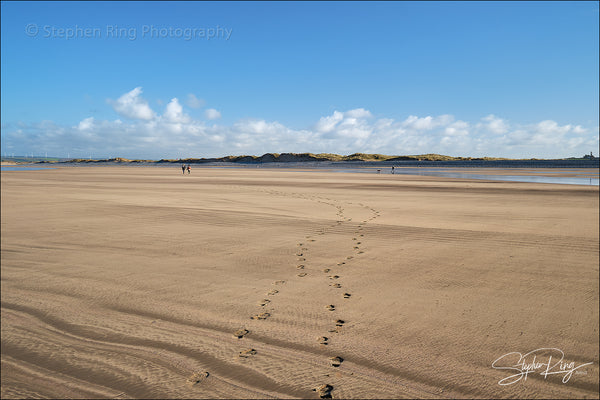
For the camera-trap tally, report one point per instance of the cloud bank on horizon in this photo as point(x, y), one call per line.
point(143, 133)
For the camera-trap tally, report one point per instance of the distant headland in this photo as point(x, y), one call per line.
point(588, 160)
point(304, 157)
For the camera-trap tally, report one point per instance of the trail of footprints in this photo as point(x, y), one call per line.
point(323, 390)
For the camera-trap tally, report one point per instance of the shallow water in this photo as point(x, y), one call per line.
point(588, 176)
point(21, 168)
point(440, 172)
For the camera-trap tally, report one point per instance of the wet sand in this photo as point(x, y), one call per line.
point(133, 282)
point(549, 172)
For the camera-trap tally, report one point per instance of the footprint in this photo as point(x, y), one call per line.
point(335, 285)
point(347, 295)
point(241, 333)
point(323, 340)
point(278, 282)
point(357, 242)
point(361, 252)
point(336, 361)
point(340, 322)
point(356, 247)
point(198, 377)
point(334, 276)
point(264, 302)
point(299, 254)
point(349, 258)
point(272, 292)
point(247, 353)
point(341, 263)
point(300, 266)
point(324, 391)
point(302, 274)
point(263, 315)
point(326, 270)
point(330, 307)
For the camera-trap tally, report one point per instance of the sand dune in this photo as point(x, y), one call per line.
point(138, 282)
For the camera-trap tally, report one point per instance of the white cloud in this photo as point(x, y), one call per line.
point(327, 124)
point(458, 128)
point(547, 132)
point(427, 123)
point(174, 112)
point(550, 127)
point(175, 134)
point(131, 105)
point(495, 124)
point(194, 102)
point(211, 113)
point(86, 124)
point(358, 113)
point(352, 125)
point(354, 128)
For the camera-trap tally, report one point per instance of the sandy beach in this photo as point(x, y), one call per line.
point(139, 282)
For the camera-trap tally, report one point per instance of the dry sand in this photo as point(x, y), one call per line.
point(137, 281)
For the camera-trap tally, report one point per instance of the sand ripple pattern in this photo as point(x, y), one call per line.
point(126, 283)
point(328, 382)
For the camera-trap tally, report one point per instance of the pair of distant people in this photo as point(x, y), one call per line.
point(184, 168)
point(379, 171)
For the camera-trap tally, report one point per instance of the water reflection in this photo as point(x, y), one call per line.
point(521, 175)
point(13, 168)
point(528, 176)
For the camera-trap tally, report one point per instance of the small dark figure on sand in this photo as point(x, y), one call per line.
point(392, 169)
point(183, 168)
point(189, 168)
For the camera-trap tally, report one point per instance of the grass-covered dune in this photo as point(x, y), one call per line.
point(301, 157)
point(287, 157)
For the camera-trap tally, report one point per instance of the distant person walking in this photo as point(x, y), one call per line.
point(189, 168)
point(392, 169)
point(183, 169)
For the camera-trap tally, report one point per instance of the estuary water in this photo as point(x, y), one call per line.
point(545, 173)
point(22, 168)
point(566, 177)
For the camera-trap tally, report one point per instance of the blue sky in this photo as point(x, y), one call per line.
point(201, 79)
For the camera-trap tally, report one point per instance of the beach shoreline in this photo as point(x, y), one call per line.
point(570, 176)
point(135, 282)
